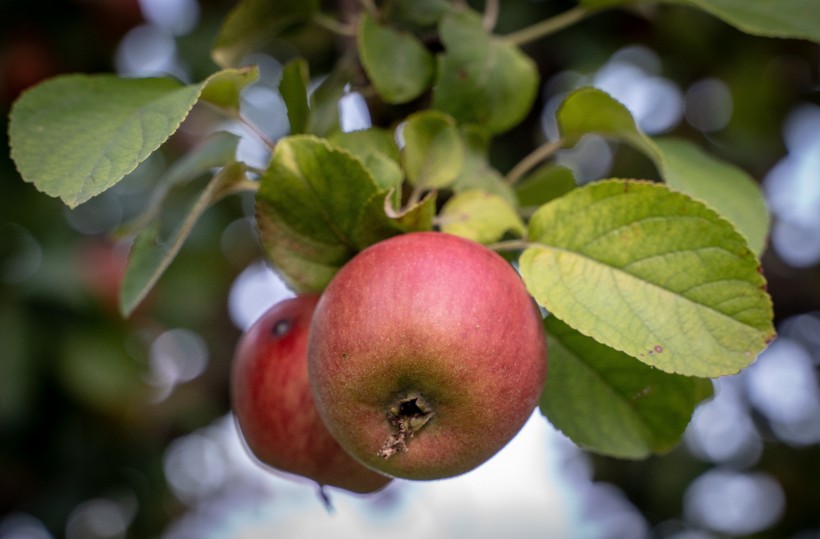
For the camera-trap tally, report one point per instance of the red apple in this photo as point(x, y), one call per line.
point(426, 355)
point(274, 408)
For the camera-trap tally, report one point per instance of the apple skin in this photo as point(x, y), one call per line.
point(426, 355)
point(274, 408)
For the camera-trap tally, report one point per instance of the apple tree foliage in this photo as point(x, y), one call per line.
point(650, 288)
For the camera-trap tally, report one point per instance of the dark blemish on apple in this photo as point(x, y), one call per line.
point(345, 355)
point(281, 327)
point(408, 415)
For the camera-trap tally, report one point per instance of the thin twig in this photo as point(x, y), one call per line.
point(490, 15)
point(337, 27)
point(548, 26)
point(370, 7)
point(257, 131)
point(541, 153)
point(415, 196)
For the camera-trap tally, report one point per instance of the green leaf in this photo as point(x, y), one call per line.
point(294, 91)
point(214, 152)
point(223, 88)
point(378, 151)
point(607, 402)
point(770, 18)
point(422, 12)
point(75, 136)
point(481, 79)
point(309, 208)
point(589, 110)
point(151, 255)
point(433, 154)
point(544, 184)
point(397, 63)
point(724, 187)
point(253, 24)
point(650, 272)
point(480, 216)
point(324, 101)
point(477, 172)
point(600, 4)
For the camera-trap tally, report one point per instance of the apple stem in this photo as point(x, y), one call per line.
point(408, 415)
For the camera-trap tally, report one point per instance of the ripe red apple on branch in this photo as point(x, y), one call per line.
point(274, 408)
point(426, 355)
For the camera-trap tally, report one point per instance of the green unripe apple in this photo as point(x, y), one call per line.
point(426, 355)
point(274, 408)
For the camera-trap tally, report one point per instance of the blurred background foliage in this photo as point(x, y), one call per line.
point(91, 405)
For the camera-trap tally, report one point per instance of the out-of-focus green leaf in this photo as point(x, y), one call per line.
point(478, 173)
point(480, 216)
point(770, 18)
point(650, 272)
point(378, 151)
point(294, 91)
point(722, 186)
point(398, 65)
point(422, 12)
point(223, 88)
point(252, 24)
point(481, 79)
point(323, 120)
point(214, 152)
point(545, 183)
point(151, 255)
point(433, 154)
point(608, 402)
point(726, 187)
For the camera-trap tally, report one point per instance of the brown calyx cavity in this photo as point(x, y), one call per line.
point(408, 414)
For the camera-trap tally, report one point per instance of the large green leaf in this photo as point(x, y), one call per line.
point(725, 187)
point(650, 272)
point(398, 64)
point(253, 24)
point(151, 255)
point(75, 136)
point(606, 401)
point(770, 18)
point(481, 79)
point(310, 205)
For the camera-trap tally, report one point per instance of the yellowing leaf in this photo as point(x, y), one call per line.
point(650, 272)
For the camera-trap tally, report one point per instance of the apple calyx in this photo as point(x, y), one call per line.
point(408, 415)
